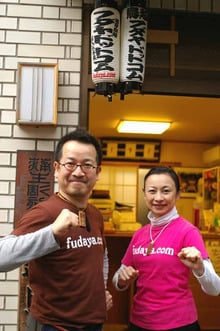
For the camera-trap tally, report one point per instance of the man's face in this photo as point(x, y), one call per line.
point(77, 183)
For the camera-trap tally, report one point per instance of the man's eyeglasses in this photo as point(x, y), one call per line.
point(73, 166)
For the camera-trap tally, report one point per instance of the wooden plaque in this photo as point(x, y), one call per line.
point(34, 183)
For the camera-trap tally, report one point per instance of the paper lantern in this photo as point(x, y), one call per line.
point(105, 47)
point(133, 46)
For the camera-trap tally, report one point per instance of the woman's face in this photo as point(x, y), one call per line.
point(160, 194)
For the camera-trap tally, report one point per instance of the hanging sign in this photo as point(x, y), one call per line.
point(133, 46)
point(34, 180)
point(105, 44)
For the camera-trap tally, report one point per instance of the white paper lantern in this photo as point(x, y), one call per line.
point(105, 48)
point(133, 45)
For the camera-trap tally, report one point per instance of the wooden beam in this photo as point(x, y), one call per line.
point(172, 50)
point(162, 37)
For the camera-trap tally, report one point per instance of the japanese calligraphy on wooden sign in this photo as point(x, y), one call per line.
point(129, 150)
point(34, 183)
point(34, 180)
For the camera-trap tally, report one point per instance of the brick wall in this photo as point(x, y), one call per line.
point(46, 31)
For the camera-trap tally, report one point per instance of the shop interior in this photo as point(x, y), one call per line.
point(181, 86)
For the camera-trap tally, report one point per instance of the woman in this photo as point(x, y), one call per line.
point(160, 258)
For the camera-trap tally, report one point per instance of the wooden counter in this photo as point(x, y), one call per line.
point(208, 306)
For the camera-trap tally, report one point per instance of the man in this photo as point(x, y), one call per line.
point(69, 284)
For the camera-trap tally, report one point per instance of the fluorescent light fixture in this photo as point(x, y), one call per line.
point(143, 127)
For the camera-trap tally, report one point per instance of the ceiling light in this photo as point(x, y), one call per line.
point(143, 127)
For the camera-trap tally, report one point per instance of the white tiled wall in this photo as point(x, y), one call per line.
point(46, 31)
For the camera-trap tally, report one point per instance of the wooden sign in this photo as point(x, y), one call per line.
point(34, 183)
point(34, 180)
point(131, 150)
